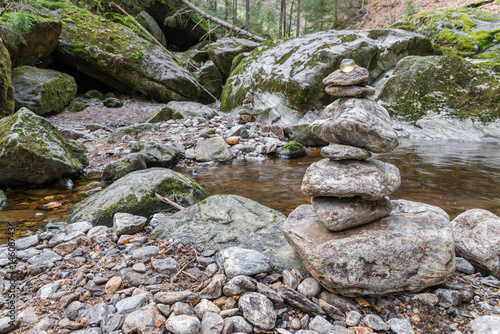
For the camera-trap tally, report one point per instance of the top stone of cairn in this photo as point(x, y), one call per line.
point(340, 78)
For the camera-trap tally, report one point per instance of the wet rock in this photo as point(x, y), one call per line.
point(41, 90)
point(358, 273)
point(214, 289)
point(371, 180)
point(338, 214)
point(46, 291)
point(258, 309)
point(98, 313)
point(183, 324)
point(357, 122)
point(125, 223)
point(221, 221)
point(239, 261)
point(239, 285)
point(212, 323)
point(344, 152)
point(213, 149)
point(134, 194)
point(27, 242)
point(474, 244)
point(181, 110)
point(375, 322)
point(129, 304)
point(309, 287)
point(166, 266)
point(49, 159)
point(146, 320)
point(400, 326)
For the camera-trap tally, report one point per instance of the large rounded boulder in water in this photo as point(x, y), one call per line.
point(33, 152)
point(135, 194)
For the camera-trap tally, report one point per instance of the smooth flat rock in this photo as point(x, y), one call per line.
point(370, 179)
point(338, 214)
point(477, 239)
point(349, 91)
point(357, 122)
point(408, 250)
point(125, 223)
point(239, 261)
point(213, 149)
point(344, 152)
point(339, 78)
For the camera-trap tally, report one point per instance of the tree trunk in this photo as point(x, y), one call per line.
point(290, 20)
point(280, 24)
point(299, 5)
point(226, 10)
point(247, 15)
point(335, 11)
point(284, 18)
point(222, 23)
point(235, 12)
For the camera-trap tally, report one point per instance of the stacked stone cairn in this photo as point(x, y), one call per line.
point(248, 113)
point(353, 239)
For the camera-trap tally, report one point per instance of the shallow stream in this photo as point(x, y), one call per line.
point(455, 176)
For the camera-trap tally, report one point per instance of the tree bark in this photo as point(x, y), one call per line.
point(223, 23)
point(280, 24)
point(235, 12)
point(226, 10)
point(299, 5)
point(290, 20)
point(247, 15)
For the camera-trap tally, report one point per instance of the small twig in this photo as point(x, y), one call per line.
point(167, 201)
point(188, 274)
point(180, 271)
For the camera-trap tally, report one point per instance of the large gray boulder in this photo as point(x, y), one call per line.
point(370, 179)
point(447, 85)
point(286, 76)
point(409, 250)
point(6, 89)
point(42, 91)
point(477, 239)
point(128, 61)
point(224, 50)
point(223, 221)
point(357, 122)
point(213, 149)
point(180, 110)
point(135, 194)
point(33, 152)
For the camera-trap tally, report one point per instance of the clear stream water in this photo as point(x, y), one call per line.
point(453, 175)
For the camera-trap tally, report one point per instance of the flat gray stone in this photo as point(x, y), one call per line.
point(240, 261)
point(211, 323)
point(344, 152)
point(46, 291)
point(183, 324)
point(99, 313)
point(130, 304)
point(213, 149)
point(98, 233)
point(147, 251)
point(349, 91)
point(339, 78)
point(27, 242)
point(371, 179)
point(258, 309)
point(45, 258)
point(400, 326)
point(338, 214)
point(125, 223)
point(78, 226)
point(166, 266)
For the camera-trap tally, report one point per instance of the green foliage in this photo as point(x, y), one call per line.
point(16, 26)
point(411, 8)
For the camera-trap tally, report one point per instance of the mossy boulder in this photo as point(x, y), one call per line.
point(33, 46)
point(210, 78)
point(180, 110)
point(119, 57)
point(223, 221)
point(112, 102)
point(224, 50)
point(42, 91)
point(3, 200)
point(7, 104)
point(291, 150)
point(446, 85)
point(301, 133)
point(460, 32)
point(123, 166)
point(33, 152)
point(76, 106)
point(285, 76)
point(135, 194)
point(132, 130)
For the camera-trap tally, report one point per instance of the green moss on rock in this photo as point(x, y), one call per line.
point(447, 85)
point(6, 89)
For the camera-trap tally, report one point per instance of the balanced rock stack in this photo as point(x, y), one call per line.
point(248, 113)
point(353, 239)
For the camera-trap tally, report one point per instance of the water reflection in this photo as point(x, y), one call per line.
point(455, 176)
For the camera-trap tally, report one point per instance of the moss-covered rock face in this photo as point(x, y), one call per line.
point(460, 32)
point(117, 56)
point(33, 152)
point(135, 194)
point(6, 89)
point(42, 91)
point(34, 45)
point(223, 52)
point(223, 221)
point(285, 76)
point(447, 85)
